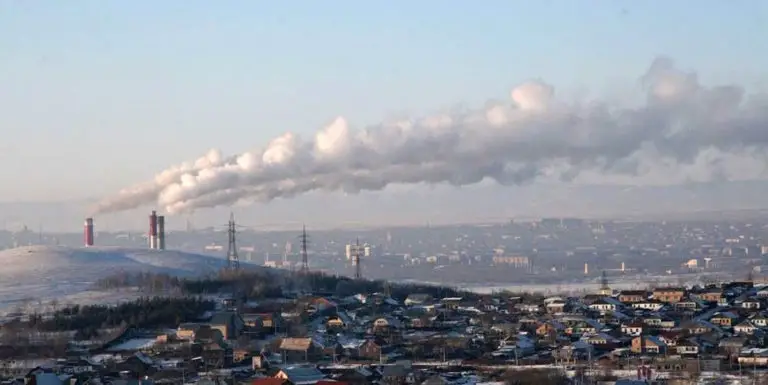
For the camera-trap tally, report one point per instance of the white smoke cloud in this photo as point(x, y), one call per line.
point(683, 125)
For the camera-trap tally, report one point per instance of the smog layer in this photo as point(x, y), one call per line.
point(534, 135)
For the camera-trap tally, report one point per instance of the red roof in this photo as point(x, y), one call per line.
point(268, 381)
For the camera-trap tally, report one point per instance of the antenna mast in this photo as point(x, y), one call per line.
point(304, 241)
point(233, 261)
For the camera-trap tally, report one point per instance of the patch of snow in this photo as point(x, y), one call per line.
point(134, 344)
point(34, 275)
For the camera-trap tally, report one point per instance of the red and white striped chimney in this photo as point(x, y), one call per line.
point(152, 230)
point(88, 232)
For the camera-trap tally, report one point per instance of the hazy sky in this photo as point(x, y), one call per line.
point(98, 94)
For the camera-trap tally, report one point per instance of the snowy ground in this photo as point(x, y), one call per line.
point(35, 276)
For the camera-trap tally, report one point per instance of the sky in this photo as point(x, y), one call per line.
point(96, 95)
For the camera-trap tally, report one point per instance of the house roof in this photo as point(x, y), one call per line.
point(303, 374)
point(268, 381)
point(393, 371)
point(296, 344)
point(654, 339)
point(222, 318)
point(418, 297)
point(633, 292)
point(668, 289)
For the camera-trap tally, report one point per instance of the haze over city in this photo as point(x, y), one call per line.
point(97, 101)
point(549, 192)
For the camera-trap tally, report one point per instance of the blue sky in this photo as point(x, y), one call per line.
point(95, 94)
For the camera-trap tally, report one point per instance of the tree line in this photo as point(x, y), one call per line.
point(261, 283)
point(142, 313)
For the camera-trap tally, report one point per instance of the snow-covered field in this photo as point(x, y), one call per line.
point(36, 275)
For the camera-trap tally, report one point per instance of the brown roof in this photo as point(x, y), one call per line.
point(296, 344)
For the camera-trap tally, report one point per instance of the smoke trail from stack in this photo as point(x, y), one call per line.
point(532, 135)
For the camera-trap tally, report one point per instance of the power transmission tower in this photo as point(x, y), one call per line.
point(233, 261)
point(603, 280)
point(358, 272)
point(304, 242)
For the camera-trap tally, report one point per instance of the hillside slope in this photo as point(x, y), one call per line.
point(42, 273)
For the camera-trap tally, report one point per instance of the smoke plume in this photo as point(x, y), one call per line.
point(532, 135)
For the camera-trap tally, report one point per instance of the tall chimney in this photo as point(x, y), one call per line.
point(161, 232)
point(152, 230)
point(88, 232)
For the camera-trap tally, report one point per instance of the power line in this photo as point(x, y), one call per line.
point(233, 261)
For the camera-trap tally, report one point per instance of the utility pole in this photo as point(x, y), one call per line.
point(233, 261)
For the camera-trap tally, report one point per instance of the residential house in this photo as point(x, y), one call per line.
point(754, 357)
point(687, 348)
point(648, 344)
point(451, 303)
point(649, 304)
point(605, 305)
point(420, 322)
point(371, 349)
point(270, 381)
point(322, 305)
point(653, 320)
point(139, 364)
point(668, 323)
point(724, 319)
point(418, 300)
point(556, 306)
point(340, 321)
point(759, 320)
point(632, 296)
point(529, 308)
point(300, 374)
point(550, 327)
point(688, 304)
point(261, 323)
point(632, 329)
point(186, 331)
point(394, 374)
point(745, 327)
point(709, 294)
point(602, 340)
point(697, 327)
point(358, 376)
point(217, 354)
point(300, 350)
point(229, 323)
point(752, 304)
point(669, 294)
point(386, 325)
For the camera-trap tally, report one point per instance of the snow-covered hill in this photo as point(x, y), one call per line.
point(38, 274)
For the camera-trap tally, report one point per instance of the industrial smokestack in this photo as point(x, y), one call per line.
point(88, 232)
point(152, 230)
point(161, 232)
